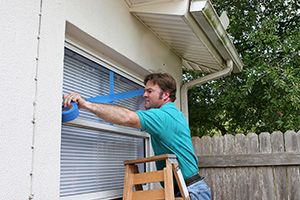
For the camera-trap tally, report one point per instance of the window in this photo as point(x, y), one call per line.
point(93, 151)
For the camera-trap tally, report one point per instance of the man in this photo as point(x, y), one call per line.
point(167, 126)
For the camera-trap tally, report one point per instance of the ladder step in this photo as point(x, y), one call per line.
point(157, 194)
point(148, 177)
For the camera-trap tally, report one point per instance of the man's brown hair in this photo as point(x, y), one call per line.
point(165, 81)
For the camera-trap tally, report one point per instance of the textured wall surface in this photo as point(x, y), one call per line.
point(32, 41)
point(18, 51)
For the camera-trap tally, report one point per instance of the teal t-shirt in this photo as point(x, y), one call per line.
point(170, 134)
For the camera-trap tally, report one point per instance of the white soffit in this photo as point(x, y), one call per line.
point(190, 29)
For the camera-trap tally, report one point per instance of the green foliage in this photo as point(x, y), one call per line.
point(265, 96)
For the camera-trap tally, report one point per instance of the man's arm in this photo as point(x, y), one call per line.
point(110, 113)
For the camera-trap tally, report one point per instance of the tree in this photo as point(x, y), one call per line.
point(265, 96)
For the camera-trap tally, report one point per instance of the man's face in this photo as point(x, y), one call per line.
point(154, 96)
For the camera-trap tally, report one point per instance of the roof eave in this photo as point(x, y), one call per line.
point(192, 30)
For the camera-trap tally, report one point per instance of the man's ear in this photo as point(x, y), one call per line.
point(166, 96)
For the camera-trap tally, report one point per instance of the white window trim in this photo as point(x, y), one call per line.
point(110, 128)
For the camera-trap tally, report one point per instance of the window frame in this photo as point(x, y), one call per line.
point(81, 123)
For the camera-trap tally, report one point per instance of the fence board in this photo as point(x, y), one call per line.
point(252, 148)
point(229, 176)
point(292, 144)
point(241, 173)
point(217, 148)
point(279, 172)
point(266, 183)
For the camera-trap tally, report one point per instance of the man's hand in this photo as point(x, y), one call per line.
point(75, 97)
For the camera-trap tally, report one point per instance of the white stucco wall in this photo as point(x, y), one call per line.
point(20, 47)
point(18, 51)
point(32, 43)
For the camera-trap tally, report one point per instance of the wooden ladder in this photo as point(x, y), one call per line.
point(133, 180)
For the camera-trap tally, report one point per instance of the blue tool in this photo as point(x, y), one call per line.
point(72, 112)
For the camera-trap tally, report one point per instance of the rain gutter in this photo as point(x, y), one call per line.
point(184, 89)
point(206, 16)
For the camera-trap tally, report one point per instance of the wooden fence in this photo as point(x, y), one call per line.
point(242, 167)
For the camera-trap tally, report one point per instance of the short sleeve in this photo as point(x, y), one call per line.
point(152, 121)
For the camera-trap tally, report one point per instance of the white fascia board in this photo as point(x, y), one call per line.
point(169, 8)
point(206, 16)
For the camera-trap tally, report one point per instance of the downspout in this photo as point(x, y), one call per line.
point(185, 87)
